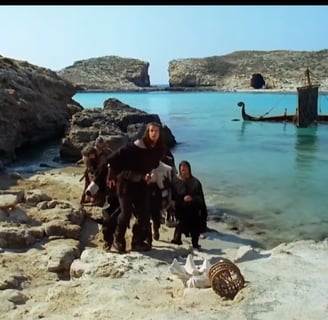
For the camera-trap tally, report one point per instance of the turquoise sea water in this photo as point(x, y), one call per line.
point(272, 175)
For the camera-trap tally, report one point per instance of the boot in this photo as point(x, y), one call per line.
point(195, 240)
point(156, 233)
point(107, 236)
point(119, 243)
point(141, 247)
point(195, 244)
point(149, 238)
point(138, 244)
point(119, 246)
point(107, 247)
point(177, 237)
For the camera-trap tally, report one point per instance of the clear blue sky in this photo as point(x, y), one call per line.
point(56, 36)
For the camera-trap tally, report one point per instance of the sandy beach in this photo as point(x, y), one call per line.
point(288, 282)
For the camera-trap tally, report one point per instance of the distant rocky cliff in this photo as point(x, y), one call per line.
point(108, 73)
point(279, 70)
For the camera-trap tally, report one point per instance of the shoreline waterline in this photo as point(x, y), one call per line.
point(244, 231)
point(270, 176)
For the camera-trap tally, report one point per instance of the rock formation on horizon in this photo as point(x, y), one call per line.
point(281, 70)
point(109, 73)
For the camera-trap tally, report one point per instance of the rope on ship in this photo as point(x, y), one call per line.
point(278, 102)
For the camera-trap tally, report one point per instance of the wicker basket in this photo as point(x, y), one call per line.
point(226, 279)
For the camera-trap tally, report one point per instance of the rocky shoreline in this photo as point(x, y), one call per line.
point(323, 90)
point(53, 265)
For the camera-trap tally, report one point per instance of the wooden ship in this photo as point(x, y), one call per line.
point(306, 112)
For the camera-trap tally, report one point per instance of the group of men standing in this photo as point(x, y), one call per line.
point(140, 179)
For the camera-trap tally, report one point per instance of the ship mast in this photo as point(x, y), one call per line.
point(307, 76)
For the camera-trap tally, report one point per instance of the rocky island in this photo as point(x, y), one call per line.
point(280, 70)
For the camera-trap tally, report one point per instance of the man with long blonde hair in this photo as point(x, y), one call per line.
point(130, 168)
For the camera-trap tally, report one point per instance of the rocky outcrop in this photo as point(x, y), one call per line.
point(48, 218)
point(110, 73)
point(203, 72)
point(36, 105)
point(117, 123)
point(280, 69)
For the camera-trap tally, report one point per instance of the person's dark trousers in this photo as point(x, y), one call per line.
point(203, 222)
point(110, 216)
point(86, 184)
point(189, 223)
point(177, 233)
point(155, 205)
point(132, 197)
point(142, 227)
point(123, 219)
point(178, 230)
point(195, 233)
